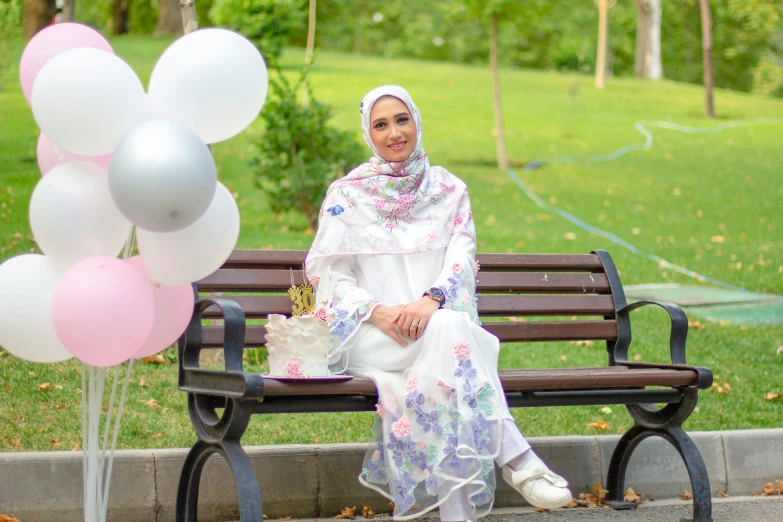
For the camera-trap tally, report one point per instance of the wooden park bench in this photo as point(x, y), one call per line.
point(510, 285)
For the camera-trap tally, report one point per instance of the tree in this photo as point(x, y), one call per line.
point(647, 63)
point(603, 33)
point(68, 11)
point(120, 16)
point(37, 15)
point(189, 16)
point(310, 45)
point(169, 18)
point(706, 44)
point(496, 10)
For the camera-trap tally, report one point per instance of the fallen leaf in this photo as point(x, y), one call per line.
point(583, 343)
point(571, 505)
point(55, 443)
point(695, 325)
point(569, 235)
point(632, 496)
point(637, 357)
point(724, 495)
point(8, 518)
point(58, 387)
point(606, 409)
point(282, 518)
point(45, 386)
point(718, 239)
point(686, 495)
point(563, 358)
point(152, 403)
point(772, 396)
point(600, 492)
point(599, 425)
point(367, 512)
point(61, 406)
point(265, 517)
point(143, 383)
point(587, 500)
point(541, 510)
point(157, 359)
point(158, 435)
point(32, 374)
point(722, 389)
point(779, 350)
point(773, 489)
point(346, 512)
point(76, 447)
point(391, 507)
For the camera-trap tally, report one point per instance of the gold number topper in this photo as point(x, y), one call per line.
point(303, 298)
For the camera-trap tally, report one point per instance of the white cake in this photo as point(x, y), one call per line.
point(297, 346)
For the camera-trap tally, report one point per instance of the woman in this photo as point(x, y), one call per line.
point(396, 246)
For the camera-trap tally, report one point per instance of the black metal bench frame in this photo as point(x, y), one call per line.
point(241, 395)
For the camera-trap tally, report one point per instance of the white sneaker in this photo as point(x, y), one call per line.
point(538, 485)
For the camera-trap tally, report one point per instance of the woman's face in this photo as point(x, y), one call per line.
point(392, 129)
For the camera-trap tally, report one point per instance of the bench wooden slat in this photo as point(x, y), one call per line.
point(598, 305)
point(499, 262)
point(514, 380)
point(271, 280)
point(506, 332)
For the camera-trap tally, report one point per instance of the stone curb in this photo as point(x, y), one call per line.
point(316, 480)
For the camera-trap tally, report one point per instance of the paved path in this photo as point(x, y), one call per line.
point(737, 509)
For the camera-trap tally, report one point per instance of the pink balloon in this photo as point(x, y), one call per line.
point(51, 155)
point(103, 310)
point(50, 42)
point(173, 310)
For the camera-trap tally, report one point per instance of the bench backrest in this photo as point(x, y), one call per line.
point(578, 293)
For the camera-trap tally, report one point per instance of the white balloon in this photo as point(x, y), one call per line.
point(27, 283)
point(190, 254)
point(85, 100)
point(212, 81)
point(73, 217)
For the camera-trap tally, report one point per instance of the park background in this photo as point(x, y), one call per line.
point(707, 202)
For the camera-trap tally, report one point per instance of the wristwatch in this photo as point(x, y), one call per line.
point(437, 294)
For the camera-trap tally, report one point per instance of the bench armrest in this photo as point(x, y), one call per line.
point(225, 383)
point(679, 331)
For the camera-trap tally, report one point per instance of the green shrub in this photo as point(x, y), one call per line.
point(267, 23)
point(300, 154)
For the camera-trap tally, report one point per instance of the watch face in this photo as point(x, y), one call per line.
point(437, 293)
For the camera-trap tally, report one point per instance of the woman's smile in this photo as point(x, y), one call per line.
point(398, 145)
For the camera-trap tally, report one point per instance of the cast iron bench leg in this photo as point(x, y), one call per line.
point(241, 469)
point(667, 424)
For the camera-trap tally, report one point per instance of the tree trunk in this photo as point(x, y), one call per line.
point(120, 16)
point(493, 64)
point(37, 15)
point(310, 46)
point(603, 33)
point(189, 16)
point(706, 44)
point(68, 11)
point(647, 63)
point(169, 18)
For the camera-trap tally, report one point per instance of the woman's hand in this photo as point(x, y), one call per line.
point(385, 318)
point(414, 316)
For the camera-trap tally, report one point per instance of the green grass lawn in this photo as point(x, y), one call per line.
point(669, 201)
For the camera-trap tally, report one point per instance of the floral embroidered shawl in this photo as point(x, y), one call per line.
point(384, 207)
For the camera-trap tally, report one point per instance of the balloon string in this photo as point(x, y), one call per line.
point(123, 395)
point(107, 422)
point(84, 436)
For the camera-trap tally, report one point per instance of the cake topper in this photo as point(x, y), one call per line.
point(302, 296)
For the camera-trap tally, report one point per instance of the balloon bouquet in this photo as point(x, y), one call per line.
point(120, 166)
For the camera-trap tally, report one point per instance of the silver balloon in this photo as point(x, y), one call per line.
point(162, 176)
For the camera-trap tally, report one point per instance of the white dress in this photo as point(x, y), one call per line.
point(440, 397)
